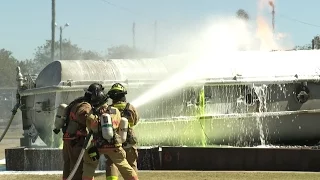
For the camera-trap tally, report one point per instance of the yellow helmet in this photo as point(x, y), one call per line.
point(117, 89)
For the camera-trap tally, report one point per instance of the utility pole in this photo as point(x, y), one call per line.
point(273, 15)
point(133, 35)
point(60, 43)
point(155, 36)
point(60, 47)
point(53, 26)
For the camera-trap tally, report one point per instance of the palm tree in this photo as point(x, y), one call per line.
point(242, 14)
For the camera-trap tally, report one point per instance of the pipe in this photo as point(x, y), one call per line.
point(242, 115)
point(18, 102)
point(106, 82)
point(208, 82)
point(215, 81)
point(257, 80)
point(54, 89)
point(14, 111)
point(264, 114)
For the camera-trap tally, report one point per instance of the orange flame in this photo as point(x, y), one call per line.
point(264, 30)
point(265, 34)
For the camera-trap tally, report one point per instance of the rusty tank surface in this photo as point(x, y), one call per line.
point(263, 98)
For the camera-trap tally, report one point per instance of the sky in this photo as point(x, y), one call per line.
point(98, 24)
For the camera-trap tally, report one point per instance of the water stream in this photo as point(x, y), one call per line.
point(262, 107)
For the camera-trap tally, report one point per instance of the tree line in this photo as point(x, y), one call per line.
point(70, 51)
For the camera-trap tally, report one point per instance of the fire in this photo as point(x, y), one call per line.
point(264, 26)
point(265, 34)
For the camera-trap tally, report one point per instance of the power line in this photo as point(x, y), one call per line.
point(120, 7)
point(299, 21)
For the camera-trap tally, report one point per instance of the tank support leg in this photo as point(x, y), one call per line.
point(29, 136)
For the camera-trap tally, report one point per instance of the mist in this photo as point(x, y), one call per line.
point(216, 43)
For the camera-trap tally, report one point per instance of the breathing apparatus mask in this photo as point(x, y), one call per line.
point(95, 94)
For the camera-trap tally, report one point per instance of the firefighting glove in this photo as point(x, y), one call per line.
point(94, 153)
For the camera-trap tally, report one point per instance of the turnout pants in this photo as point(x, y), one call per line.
point(117, 156)
point(71, 151)
point(111, 168)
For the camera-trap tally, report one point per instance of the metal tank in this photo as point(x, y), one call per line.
point(259, 98)
point(254, 98)
point(63, 81)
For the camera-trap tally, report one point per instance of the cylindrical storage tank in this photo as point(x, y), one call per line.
point(63, 81)
point(227, 78)
point(273, 77)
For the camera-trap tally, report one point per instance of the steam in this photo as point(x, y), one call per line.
point(214, 46)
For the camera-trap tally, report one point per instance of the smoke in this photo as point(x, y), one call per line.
point(229, 33)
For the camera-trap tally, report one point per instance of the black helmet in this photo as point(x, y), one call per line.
point(95, 94)
point(117, 91)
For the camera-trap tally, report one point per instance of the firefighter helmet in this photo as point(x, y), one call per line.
point(95, 93)
point(116, 90)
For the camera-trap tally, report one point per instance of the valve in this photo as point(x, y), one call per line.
point(302, 93)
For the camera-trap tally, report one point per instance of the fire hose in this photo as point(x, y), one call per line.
point(84, 147)
point(14, 111)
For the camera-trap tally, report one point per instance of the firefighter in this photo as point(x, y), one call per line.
point(74, 133)
point(118, 95)
point(104, 122)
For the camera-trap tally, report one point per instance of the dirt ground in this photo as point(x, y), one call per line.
point(8, 143)
point(11, 139)
point(187, 175)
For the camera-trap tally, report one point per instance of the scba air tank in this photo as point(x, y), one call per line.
point(123, 129)
point(106, 127)
point(60, 117)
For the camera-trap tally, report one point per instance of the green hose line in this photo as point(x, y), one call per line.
point(201, 113)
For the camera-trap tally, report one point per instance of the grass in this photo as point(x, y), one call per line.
point(187, 175)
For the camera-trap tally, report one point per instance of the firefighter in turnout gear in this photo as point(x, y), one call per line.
point(117, 94)
point(73, 125)
point(104, 121)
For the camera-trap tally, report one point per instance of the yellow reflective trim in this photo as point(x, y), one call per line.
point(116, 88)
point(131, 124)
point(120, 106)
point(92, 154)
point(112, 177)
